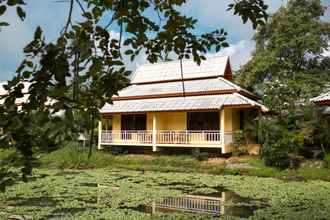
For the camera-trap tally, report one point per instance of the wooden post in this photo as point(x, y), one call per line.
point(154, 132)
point(259, 131)
point(99, 147)
point(222, 130)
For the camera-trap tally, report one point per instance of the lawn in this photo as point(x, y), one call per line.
point(247, 166)
point(105, 193)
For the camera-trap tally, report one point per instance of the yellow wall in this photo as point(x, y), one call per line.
point(231, 119)
point(168, 121)
point(236, 119)
point(116, 126)
point(177, 121)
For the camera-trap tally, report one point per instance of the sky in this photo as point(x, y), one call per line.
point(51, 16)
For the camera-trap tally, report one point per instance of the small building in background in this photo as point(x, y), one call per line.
point(323, 100)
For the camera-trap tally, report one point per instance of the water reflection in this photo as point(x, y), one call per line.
point(225, 203)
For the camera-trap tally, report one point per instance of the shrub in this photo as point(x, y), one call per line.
point(116, 150)
point(278, 143)
point(200, 156)
point(275, 154)
point(239, 145)
point(327, 159)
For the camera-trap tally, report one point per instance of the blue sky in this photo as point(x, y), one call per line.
point(51, 16)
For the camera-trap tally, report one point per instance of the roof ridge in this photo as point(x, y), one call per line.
point(239, 88)
point(229, 83)
point(177, 60)
point(252, 102)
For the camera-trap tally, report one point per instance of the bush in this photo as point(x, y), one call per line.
point(118, 150)
point(327, 159)
point(239, 145)
point(275, 155)
point(278, 143)
point(200, 156)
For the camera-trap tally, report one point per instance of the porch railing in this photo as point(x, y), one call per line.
point(191, 204)
point(167, 137)
point(188, 137)
point(143, 137)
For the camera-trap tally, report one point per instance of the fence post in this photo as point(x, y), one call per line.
point(99, 147)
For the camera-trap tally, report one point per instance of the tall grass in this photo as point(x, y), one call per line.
point(69, 157)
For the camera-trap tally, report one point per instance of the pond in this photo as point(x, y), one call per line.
point(224, 202)
point(122, 194)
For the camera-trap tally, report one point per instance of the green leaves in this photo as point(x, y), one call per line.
point(3, 24)
point(12, 3)
point(21, 13)
point(252, 10)
point(3, 9)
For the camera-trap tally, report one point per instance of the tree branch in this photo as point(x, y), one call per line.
point(68, 22)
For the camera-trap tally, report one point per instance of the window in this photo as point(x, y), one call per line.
point(203, 121)
point(134, 122)
point(107, 123)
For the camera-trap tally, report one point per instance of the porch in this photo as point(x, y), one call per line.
point(200, 129)
point(162, 138)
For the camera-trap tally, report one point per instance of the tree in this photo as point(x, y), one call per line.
point(87, 54)
point(289, 49)
point(288, 68)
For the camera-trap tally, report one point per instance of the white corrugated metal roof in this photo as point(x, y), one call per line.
point(202, 85)
point(206, 102)
point(321, 98)
point(213, 66)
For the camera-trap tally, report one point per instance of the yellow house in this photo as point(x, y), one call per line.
point(169, 106)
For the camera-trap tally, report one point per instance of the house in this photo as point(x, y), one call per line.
point(323, 101)
point(164, 107)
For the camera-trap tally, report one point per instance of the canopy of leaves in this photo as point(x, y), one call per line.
point(289, 48)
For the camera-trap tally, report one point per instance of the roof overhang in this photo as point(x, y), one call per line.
point(187, 103)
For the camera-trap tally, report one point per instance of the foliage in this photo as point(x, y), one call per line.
point(278, 142)
point(327, 159)
point(317, 127)
point(5, 4)
point(289, 49)
point(66, 194)
point(288, 68)
point(68, 158)
point(118, 150)
point(200, 156)
point(7, 177)
point(239, 145)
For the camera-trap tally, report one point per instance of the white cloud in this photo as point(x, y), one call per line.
point(239, 53)
point(51, 16)
point(213, 14)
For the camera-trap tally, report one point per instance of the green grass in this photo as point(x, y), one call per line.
point(69, 158)
point(6, 155)
point(65, 194)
